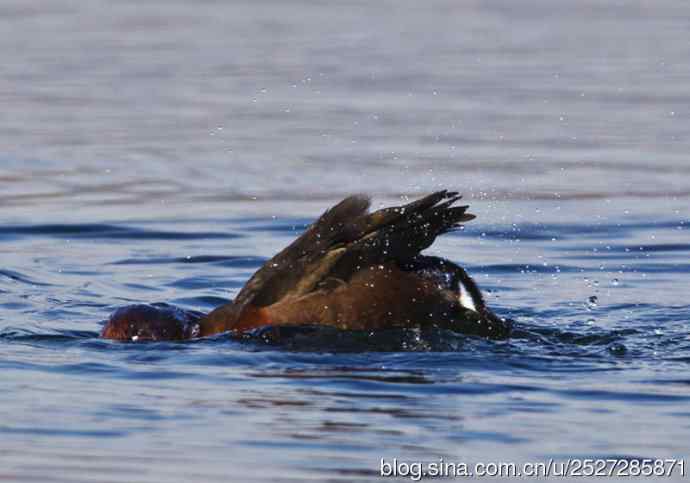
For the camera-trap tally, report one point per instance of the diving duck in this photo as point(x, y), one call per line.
point(352, 270)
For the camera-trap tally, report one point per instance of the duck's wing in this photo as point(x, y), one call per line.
point(282, 272)
point(346, 239)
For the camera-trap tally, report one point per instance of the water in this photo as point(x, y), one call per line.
point(161, 152)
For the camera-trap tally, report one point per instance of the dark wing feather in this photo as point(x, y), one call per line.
point(282, 272)
point(346, 239)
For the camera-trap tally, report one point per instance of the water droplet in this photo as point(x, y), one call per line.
point(617, 349)
point(615, 282)
point(592, 302)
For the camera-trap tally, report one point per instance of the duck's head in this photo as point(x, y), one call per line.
point(151, 322)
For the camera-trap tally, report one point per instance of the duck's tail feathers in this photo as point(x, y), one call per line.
point(409, 229)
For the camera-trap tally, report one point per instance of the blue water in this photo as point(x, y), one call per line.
point(598, 365)
point(161, 152)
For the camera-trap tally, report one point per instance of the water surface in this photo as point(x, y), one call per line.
point(161, 152)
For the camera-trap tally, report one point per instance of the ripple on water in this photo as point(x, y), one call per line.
point(96, 231)
point(585, 348)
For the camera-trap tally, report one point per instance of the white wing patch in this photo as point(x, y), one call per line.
point(466, 299)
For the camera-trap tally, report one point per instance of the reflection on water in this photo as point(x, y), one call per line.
point(161, 152)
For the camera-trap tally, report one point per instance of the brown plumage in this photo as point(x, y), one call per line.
point(353, 270)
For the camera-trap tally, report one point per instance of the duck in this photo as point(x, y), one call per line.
point(353, 270)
